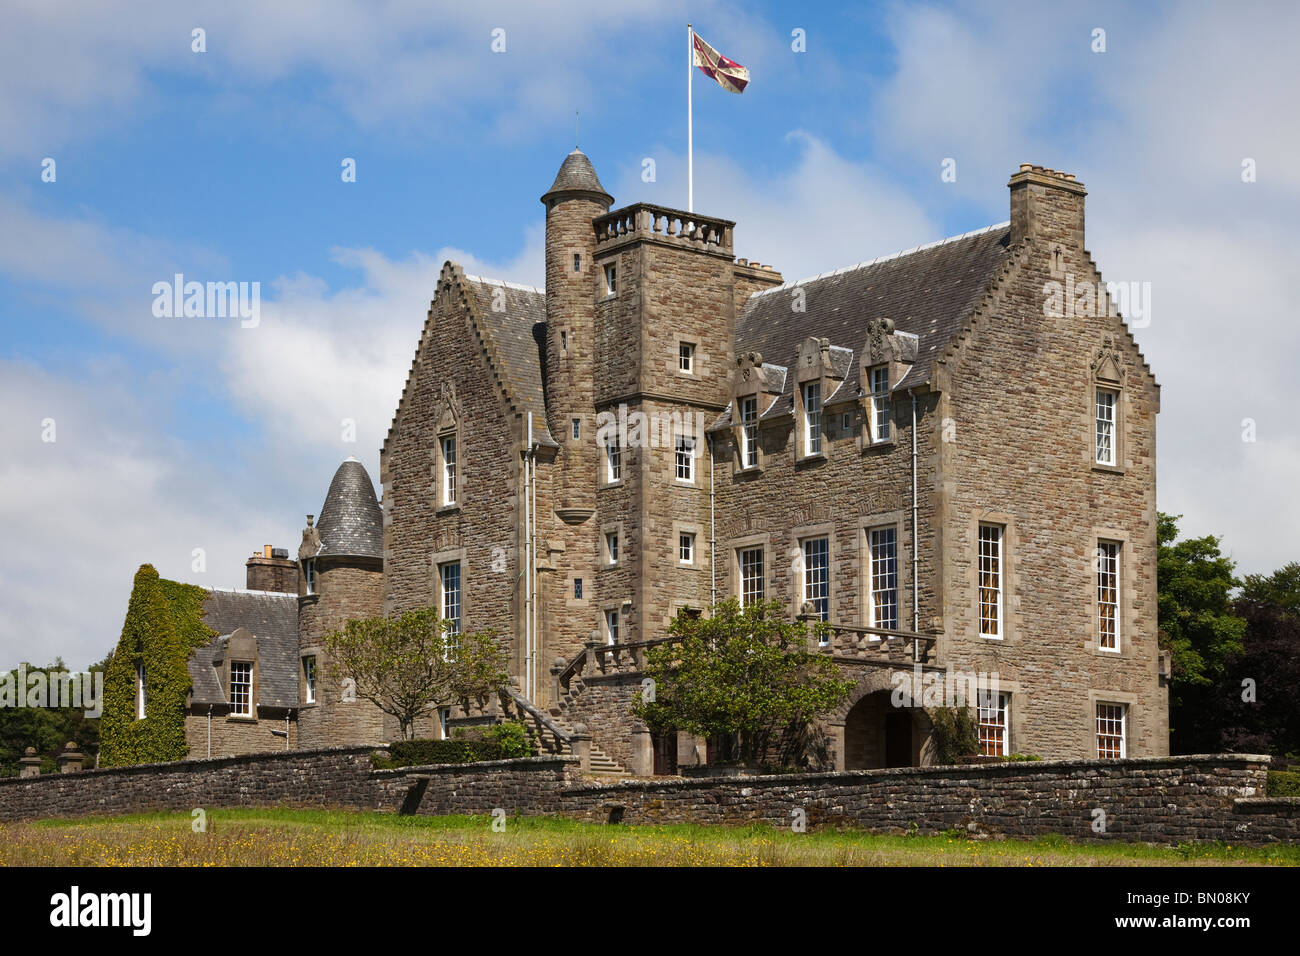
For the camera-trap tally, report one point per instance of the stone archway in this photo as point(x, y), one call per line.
point(872, 733)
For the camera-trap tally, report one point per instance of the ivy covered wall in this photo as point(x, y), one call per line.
point(164, 625)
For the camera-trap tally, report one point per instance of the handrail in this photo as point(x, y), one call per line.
point(561, 736)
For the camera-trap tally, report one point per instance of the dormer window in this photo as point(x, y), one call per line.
point(749, 432)
point(880, 413)
point(241, 688)
point(812, 418)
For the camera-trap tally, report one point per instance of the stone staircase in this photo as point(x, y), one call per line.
point(545, 740)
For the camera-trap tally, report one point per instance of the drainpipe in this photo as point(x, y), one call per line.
point(528, 561)
point(209, 731)
point(532, 566)
point(916, 585)
point(713, 541)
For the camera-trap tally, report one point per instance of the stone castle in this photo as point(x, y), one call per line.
point(921, 450)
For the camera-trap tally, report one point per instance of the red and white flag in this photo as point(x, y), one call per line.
point(729, 74)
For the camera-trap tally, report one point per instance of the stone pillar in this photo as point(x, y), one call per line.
point(70, 758)
point(643, 754)
point(581, 743)
point(836, 734)
point(30, 763)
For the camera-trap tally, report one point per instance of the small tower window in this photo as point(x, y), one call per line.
point(686, 357)
point(309, 575)
point(577, 262)
point(309, 678)
point(611, 279)
point(577, 589)
point(564, 341)
point(577, 428)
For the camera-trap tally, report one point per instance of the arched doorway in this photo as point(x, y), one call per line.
point(877, 734)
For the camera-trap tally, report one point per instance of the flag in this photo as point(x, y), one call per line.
point(729, 74)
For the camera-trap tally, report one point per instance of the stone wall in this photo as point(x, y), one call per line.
point(1154, 799)
point(1158, 800)
point(337, 777)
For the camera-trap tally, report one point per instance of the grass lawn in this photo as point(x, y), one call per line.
point(349, 838)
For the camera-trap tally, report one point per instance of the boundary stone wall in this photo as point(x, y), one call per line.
point(1151, 799)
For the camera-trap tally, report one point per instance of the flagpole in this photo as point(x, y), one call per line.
point(690, 131)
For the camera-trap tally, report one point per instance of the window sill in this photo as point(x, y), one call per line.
point(616, 483)
point(816, 458)
point(1112, 469)
point(240, 719)
point(446, 509)
point(889, 442)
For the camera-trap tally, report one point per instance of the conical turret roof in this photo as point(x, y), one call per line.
point(351, 523)
point(577, 175)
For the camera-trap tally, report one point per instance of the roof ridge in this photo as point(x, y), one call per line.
point(879, 259)
point(251, 591)
point(502, 282)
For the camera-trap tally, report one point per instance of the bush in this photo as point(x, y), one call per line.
point(415, 753)
point(512, 736)
point(955, 735)
point(1283, 783)
point(1017, 758)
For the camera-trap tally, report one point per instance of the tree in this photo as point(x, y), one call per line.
point(404, 664)
point(1261, 712)
point(746, 674)
point(1197, 625)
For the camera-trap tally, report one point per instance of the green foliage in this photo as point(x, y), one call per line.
point(405, 664)
point(417, 753)
point(1283, 783)
point(955, 734)
point(1197, 623)
point(512, 736)
point(746, 674)
point(45, 728)
point(164, 624)
point(1019, 758)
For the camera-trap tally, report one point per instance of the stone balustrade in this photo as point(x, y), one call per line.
point(660, 222)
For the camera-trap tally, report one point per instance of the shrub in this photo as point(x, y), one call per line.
point(1283, 783)
point(1017, 758)
point(512, 736)
point(415, 753)
point(955, 734)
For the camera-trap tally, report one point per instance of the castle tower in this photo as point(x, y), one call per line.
point(340, 576)
point(572, 285)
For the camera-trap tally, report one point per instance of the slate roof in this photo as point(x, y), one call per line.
point(273, 620)
point(517, 335)
point(351, 523)
point(928, 291)
point(577, 175)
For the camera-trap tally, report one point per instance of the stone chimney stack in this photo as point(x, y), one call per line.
point(1046, 204)
point(271, 569)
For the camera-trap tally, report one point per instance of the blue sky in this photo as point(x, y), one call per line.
point(177, 434)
